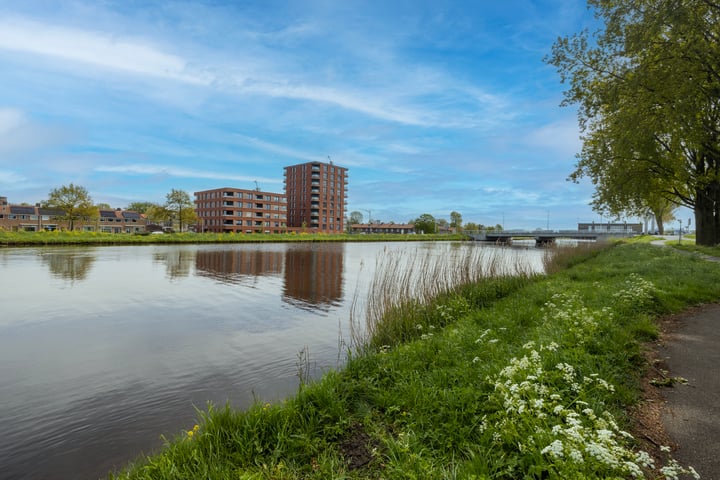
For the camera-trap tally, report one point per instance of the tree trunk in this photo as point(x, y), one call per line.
point(660, 226)
point(707, 215)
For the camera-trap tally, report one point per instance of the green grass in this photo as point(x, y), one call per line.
point(8, 238)
point(522, 377)
point(691, 247)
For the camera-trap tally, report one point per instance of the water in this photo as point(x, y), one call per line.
point(105, 349)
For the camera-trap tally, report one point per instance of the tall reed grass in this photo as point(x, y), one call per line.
point(416, 291)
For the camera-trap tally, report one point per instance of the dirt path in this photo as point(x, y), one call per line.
point(685, 412)
point(691, 413)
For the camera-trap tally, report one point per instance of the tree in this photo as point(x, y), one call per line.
point(179, 203)
point(425, 223)
point(663, 210)
point(103, 206)
point(472, 227)
point(74, 201)
point(355, 217)
point(647, 87)
point(140, 207)
point(158, 214)
point(456, 221)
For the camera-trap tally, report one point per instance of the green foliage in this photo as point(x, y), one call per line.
point(355, 217)
point(74, 201)
point(425, 223)
point(647, 86)
point(140, 207)
point(456, 221)
point(182, 208)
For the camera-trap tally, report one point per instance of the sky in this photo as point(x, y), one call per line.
point(433, 106)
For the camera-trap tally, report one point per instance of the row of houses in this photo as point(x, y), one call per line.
point(35, 218)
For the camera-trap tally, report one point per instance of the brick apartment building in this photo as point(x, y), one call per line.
point(316, 194)
point(234, 210)
point(34, 218)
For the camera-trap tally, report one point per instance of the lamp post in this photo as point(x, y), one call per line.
point(547, 227)
point(369, 220)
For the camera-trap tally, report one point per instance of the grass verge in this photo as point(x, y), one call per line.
point(529, 378)
point(8, 238)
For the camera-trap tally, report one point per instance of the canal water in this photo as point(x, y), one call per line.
point(105, 349)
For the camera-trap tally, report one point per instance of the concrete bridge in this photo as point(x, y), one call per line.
point(545, 237)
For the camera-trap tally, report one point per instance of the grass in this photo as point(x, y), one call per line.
point(22, 238)
point(709, 251)
point(525, 376)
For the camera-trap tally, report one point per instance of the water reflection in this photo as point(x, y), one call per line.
point(69, 266)
point(178, 261)
point(236, 266)
point(314, 276)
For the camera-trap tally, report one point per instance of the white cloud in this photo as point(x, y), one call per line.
point(279, 149)
point(562, 136)
point(262, 76)
point(141, 169)
point(98, 49)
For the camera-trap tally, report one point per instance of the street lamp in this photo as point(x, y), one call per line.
point(369, 220)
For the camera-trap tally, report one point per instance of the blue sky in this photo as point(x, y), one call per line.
point(432, 106)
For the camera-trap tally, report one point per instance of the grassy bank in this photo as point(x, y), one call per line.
point(8, 238)
point(512, 377)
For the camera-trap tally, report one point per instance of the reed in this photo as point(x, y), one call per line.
point(416, 291)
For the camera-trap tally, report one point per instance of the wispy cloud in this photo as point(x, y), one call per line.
point(275, 148)
point(161, 170)
point(94, 48)
point(425, 103)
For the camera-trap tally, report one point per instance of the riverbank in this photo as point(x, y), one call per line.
point(507, 378)
point(12, 239)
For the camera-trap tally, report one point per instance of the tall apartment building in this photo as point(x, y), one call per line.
point(226, 210)
point(316, 194)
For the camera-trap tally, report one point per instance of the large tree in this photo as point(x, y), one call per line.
point(355, 217)
point(74, 201)
point(456, 220)
point(647, 86)
point(179, 202)
point(425, 223)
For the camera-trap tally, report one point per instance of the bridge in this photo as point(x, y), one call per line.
point(546, 237)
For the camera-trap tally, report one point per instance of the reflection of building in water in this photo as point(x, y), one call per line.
point(230, 266)
point(313, 275)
